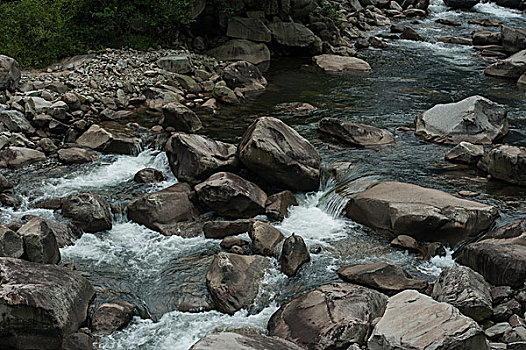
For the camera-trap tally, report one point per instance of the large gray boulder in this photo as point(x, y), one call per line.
point(507, 163)
point(232, 196)
point(500, 256)
point(236, 341)
point(193, 157)
point(383, 276)
point(40, 243)
point(180, 117)
point(109, 139)
point(16, 121)
point(294, 254)
point(474, 119)
point(233, 280)
point(292, 34)
point(512, 67)
point(425, 214)
point(336, 63)
point(241, 50)
point(265, 238)
point(465, 153)
point(88, 212)
point(354, 133)
point(413, 321)
point(11, 244)
point(19, 157)
point(9, 73)
point(40, 304)
point(279, 155)
point(466, 290)
point(332, 316)
point(248, 28)
point(161, 211)
point(513, 39)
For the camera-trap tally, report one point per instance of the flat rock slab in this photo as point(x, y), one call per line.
point(236, 341)
point(413, 321)
point(425, 214)
point(19, 157)
point(512, 67)
point(335, 63)
point(40, 304)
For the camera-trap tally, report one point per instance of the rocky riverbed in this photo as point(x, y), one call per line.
point(365, 188)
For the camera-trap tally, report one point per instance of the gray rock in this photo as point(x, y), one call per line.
point(148, 175)
point(465, 153)
point(19, 157)
point(222, 229)
point(5, 184)
point(248, 28)
point(77, 341)
point(193, 158)
point(236, 341)
point(474, 119)
point(88, 212)
point(111, 317)
point(40, 243)
point(9, 73)
point(241, 50)
point(176, 64)
point(513, 39)
point(181, 118)
point(266, 238)
point(161, 211)
point(16, 122)
point(409, 33)
point(521, 345)
point(294, 254)
point(75, 155)
point(507, 163)
point(451, 39)
point(406, 242)
point(276, 207)
point(11, 244)
point(465, 289)
point(354, 133)
point(483, 38)
point(225, 94)
point(232, 196)
point(111, 140)
point(65, 234)
point(332, 316)
point(512, 67)
point(336, 63)
point(426, 214)
point(233, 280)
point(415, 321)
point(292, 34)
point(279, 155)
point(243, 74)
point(497, 330)
point(55, 296)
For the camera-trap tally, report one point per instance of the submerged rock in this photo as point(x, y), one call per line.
point(236, 341)
point(413, 321)
point(233, 280)
point(425, 214)
point(332, 316)
point(507, 163)
point(87, 211)
point(474, 119)
point(41, 304)
point(294, 254)
point(336, 63)
point(279, 155)
point(354, 133)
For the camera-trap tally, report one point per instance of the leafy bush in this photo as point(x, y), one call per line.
point(37, 32)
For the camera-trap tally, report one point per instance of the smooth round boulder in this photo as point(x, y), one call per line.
point(148, 175)
point(279, 155)
point(355, 134)
point(277, 206)
point(294, 254)
point(88, 212)
point(335, 63)
point(232, 196)
point(9, 73)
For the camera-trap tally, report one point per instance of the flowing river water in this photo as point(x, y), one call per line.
point(153, 272)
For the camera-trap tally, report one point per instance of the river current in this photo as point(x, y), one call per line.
point(152, 271)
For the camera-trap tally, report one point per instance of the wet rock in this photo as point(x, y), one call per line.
point(148, 175)
point(279, 155)
point(111, 317)
point(161, 211)
point(243, 74)
point(9, 73)
point(512, 67)
point(236, 341)
point(54, 296)
point(225, 94)
point(52, 204)
point(465, 289)
point(88, 212)
point(336, 63)
point(233, 280)
point(248, 28)
point(495, 331)
point(507, 163)
point(296, 108)
point(40, 243)
point(5, 184)
point(265, 238)
point(276, 207)
point(47, 145)
point(426, 214)
point(465, 153)
point(522, 80)
point(500, 256)
point(294, 254)
point(11, 244)
point(448, 22)
point(433, 249)
point(513, 39)
point(107, 140)
point(482, 37)
point(15, 121)
point(451, 39)
point(382, 276)
point(406, 242)
point(19, 157)
point(181, 118)
point(415, 321)
point(230, 242)
point(474, 119)
point(75, 155)
point(292, 34)
point(193, 158)
point(77, 341)
point(354, 133)
point(180, 64)
point(232, 196)
point(222, 229)
point(409, 33)
point(65, 234)
point(241, 50)
point(486, 22)
point(332, 316)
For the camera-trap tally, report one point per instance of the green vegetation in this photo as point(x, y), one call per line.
point(37, 32)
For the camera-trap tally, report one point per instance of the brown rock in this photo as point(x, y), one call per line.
point(276, 207)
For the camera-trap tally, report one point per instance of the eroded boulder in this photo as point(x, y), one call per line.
point(111, 317)
point(243, 74)
point(11, 244)
point(76, 155)
point(506, 163)
point(277, 206)
point(108, 139)
point(512, 67)
point(248, 28)
point(19, 157)
point(40, 243)
point(222, 229)
point(87, 211)
point(9, 73)
point(294, 254)
point(465, 153)
point(148, 175)
point(265, 238)
point(181, 118)
point(292, 34)
point(242, 50)
point(354, 133)
point(237, 341)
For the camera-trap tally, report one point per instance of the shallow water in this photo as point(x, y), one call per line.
point(154, 272)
